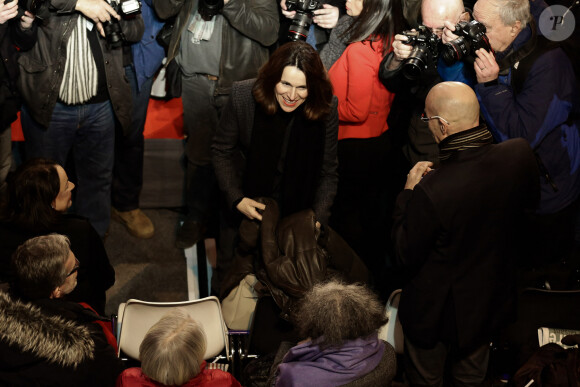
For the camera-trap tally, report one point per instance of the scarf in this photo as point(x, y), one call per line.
point(79, 83)
point(467, 139)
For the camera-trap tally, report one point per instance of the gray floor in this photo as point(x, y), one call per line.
point(147, 269)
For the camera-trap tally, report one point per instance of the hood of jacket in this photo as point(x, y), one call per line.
point(24, 328)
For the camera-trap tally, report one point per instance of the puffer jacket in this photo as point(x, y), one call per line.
point(291, 255)
point(252, 26)
point(42, 68)
point(45, 345)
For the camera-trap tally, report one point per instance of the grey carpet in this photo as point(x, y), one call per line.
point(147, 269)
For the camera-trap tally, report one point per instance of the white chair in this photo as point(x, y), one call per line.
point(392, 331)
point(135, 317)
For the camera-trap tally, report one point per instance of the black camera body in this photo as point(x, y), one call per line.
point(471, 38)
point(113, 33)
point(303, 19)
point(425, 51)
point(38, 8)
point(209, 8)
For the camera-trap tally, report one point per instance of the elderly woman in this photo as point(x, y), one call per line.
point(172, 355)
point(341, 323)
point(40, 195)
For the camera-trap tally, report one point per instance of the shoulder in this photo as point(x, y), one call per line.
point(134, 377)
point(242, 91)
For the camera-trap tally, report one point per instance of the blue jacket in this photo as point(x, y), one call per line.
point(148, 54)
point(539, 113)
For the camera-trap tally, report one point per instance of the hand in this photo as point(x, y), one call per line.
point(327, 17)
point(8, 11)
point(485, 66)
point(26, 20)
point(98, 11)
point(250, 208)
point(401, 50)
point(448, 34)
point(285, 12)
point(416, 174)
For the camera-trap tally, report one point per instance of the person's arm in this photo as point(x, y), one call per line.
point(166, 9)
point(256, 19)
point(543, 104)
point(326, 190)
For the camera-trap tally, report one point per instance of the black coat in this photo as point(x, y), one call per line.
point(459, 231)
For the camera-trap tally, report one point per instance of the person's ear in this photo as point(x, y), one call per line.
point(442, 127)
point(56, 293)
point(516, 28)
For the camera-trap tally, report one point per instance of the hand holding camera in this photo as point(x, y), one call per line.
point(8, 10)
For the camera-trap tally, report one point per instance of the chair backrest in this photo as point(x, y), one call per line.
point(136, 317)
point(392, 331)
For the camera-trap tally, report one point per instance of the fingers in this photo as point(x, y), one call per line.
point(101, 29)
point(289, 14)
point(485, 66)
point(417, 172)
point(250, 208)
point(448, 33)
point(400, 49)
point(327, 17)
point(8, 11)
point(26, 20)
point(283, 5)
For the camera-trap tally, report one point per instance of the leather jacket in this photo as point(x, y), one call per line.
point(42, 68)
point(291, 255)
point(252, 26)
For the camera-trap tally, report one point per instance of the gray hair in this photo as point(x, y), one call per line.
point(335, 312)
point(510, 11)
point(172, 351)
point(39, 266)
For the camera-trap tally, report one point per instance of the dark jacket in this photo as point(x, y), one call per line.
point(95, 274)
point(53, 343)
point(291, 255)
point(459, 233)
point(232, 141)
point(11, 37)
point(252, 26)
point(42, 68)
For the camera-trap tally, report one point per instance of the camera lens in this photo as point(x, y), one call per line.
point(455, 50)
point(300, 26)
point(113, 33)
point(416, 62)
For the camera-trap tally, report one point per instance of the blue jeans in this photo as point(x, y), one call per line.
point(88, 131)
point(129, 148)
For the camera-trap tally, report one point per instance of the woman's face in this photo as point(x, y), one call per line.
point(63, 201)
point(291, 91)
point(354, 7)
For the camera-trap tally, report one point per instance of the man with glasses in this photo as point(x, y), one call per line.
point(456, 229)
point(411, 93)
point(45, 339)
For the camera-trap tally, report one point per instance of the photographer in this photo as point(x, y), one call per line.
point(420, 145)
point(74, 87)
point(527, 88)
point(20, 32)
point(324, 20)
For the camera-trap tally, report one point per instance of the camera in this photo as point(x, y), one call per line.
point(209, 8)
point(113, 33)
point(471, 38)
point(425, 51)
point(38, 8)
point(303, 19)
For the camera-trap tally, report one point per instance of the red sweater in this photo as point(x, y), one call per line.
point(133, 377)
point(363, 101)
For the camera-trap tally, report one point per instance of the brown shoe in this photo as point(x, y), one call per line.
point(137, 223)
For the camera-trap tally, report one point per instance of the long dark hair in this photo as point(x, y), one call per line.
point(379, 20)
point(305, 58)
point(32, 189)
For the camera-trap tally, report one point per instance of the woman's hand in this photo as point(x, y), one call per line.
point(250, 208)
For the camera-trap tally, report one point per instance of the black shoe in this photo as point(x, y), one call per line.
point(189, 234)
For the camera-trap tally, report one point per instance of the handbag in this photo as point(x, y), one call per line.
point(238, 307)
point(164, 35)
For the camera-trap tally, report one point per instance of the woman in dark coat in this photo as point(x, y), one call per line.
point(39, 196)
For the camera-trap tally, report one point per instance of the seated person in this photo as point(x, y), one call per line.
point(40, 195)
point(45, 340)
point(341, 323)
point(172, 355)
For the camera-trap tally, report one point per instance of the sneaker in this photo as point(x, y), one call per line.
point(138, 224)
point(189, 234)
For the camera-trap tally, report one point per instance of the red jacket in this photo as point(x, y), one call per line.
point(363, 101)
point(134, 377)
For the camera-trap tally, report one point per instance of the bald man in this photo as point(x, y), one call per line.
point(457, 228)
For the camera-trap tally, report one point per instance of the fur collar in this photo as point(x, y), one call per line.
point(55, 339)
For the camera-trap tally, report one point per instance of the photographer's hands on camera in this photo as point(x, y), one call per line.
point(327, 17)
point(99, 11)
point(9, 11)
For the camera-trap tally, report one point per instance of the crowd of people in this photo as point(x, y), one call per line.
point(333, 151)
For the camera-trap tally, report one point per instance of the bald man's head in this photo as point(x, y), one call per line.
point(456, 105)
point(434, 13)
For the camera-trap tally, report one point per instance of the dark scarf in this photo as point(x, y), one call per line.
point(284, 159)
point(467, 139)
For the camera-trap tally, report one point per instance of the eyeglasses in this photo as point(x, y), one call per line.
point(75, 269)
point(425, 118)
